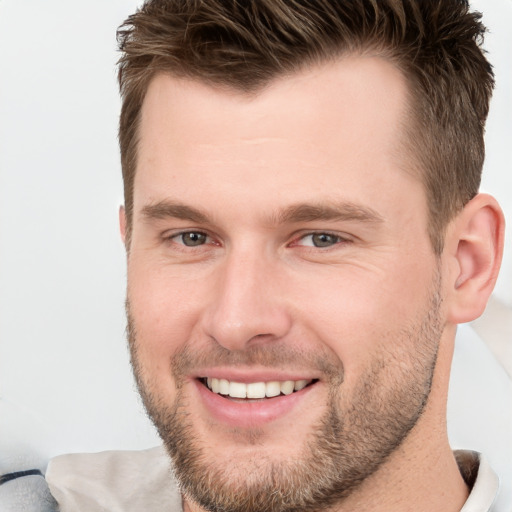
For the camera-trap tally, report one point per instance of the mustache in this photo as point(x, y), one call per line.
point(274, 355)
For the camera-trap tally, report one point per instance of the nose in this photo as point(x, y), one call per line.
point(247, 306)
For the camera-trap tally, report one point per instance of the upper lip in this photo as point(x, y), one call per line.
point(247, 376)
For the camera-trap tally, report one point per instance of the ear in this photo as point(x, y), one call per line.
point(475, 246)
point(122, 224)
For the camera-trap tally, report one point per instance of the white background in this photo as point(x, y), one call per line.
point(64, 367)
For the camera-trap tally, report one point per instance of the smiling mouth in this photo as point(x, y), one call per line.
point(255, 390)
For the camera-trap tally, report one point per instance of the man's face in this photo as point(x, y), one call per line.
point(279, 243)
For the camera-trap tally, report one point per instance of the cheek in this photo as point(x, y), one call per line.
point(165, 312)
point(361, 310)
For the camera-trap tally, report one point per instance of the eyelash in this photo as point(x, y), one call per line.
point(338, 239)
point(172, 238)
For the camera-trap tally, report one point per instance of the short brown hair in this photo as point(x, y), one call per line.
point(244, 45)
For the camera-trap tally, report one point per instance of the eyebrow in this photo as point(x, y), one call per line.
point(303, 212)
point(171, 209)
point(343, 211)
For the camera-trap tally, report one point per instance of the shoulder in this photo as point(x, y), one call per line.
point(26, 491)
point(114, 480)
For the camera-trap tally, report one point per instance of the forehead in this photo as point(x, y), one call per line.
point(338, 124)
point(351, 87)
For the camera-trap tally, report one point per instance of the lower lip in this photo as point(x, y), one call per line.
point(254, 413)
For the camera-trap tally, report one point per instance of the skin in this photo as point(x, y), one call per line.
point(328, 137)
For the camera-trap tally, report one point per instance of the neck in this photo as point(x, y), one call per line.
point(422, 480)
point(422, 474)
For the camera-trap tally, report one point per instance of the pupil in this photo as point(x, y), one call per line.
point(191, 239)
point(323, 240)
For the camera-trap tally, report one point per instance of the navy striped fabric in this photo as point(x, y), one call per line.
point(18, 474)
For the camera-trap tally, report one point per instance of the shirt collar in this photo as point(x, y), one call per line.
point(480, 478)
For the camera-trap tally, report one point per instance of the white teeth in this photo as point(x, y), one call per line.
point(224, 388)
point(287, 387)
point(300, 384)
point(272, 388)
point(255, 390)
point(237, 390)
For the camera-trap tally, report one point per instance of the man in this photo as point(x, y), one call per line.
point(304, 232)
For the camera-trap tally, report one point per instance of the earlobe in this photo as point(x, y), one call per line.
point(476, 241)
point(122, 223)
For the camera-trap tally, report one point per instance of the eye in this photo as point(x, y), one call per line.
point(320, 240)
point(191, 238)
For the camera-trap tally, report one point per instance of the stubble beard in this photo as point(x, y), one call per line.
point(348, 444)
